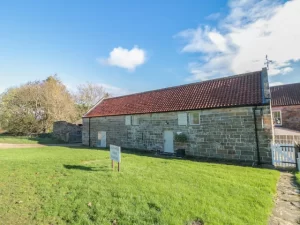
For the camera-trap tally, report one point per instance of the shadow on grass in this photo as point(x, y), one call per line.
point(45, 139)
point(152, 154)
point(78, 167)
point(86, 168)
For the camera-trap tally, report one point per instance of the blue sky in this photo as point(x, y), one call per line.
point(132, 46)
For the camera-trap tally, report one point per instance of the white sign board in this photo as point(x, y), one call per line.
point(115, 153)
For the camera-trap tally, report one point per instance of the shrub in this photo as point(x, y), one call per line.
point(45, 135)
point(181, 137)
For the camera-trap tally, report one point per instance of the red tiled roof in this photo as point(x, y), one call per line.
point(288, 94)
point(239, 90)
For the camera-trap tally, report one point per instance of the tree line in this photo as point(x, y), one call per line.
point(33, 107)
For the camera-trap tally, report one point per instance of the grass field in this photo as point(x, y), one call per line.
point(59, 185)
point(27, 140)
point(298, 177)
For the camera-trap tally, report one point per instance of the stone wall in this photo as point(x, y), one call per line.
point(227, 133)
point(65, 131)
point(290, 116)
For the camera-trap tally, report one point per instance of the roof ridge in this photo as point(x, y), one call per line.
point(183, 85)
point(284, 85)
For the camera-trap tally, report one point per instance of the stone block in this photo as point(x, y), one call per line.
point(231, 152)
point(243, 153)
point(223, 133)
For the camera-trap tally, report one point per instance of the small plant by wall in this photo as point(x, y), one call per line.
point(181, 138)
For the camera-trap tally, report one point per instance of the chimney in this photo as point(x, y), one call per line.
point(265, 86)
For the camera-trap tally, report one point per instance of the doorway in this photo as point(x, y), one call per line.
point(101, 142)
point(168, 141)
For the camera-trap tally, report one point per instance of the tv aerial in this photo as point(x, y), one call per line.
point(268, 62)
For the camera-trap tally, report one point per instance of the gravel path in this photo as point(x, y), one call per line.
point(6, 146)
point(287, 208)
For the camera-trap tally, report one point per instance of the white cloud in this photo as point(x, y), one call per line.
point(205, 40)
point(252, 29)
point(125, 58)
point(276, 84)
point(286, 70)
point(213, 16)
point(211, 69)
point(243, 12)
point(218, 40)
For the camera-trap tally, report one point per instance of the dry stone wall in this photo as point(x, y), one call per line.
point(62, 130)
point(227, 133)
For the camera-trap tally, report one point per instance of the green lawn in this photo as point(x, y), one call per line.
point(59, 185)
point(298, 177)
point(27, 140)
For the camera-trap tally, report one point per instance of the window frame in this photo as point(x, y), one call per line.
point(135, 118)
point(130, 123)
point(185, 119)
point(191, 119)
point(280, 113)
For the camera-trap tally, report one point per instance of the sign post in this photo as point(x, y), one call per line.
point(115, 155)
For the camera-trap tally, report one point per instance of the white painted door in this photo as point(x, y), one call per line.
point(101, 139)
point(168, 141)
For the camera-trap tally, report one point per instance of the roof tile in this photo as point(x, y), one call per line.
point(238, 90)
point(288, 94)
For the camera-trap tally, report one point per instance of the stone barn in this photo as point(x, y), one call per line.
point(286, 106)
point(227, 118)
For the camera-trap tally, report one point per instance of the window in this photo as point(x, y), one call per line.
point(127, 120)
point(194, 118)
point(277, 120)
point(99, 135)
point(135, 120)
point(182, 118)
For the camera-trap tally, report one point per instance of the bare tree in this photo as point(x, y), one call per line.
point(88, 95)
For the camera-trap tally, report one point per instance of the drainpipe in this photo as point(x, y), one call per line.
point(89, 131)
point(256, 135)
